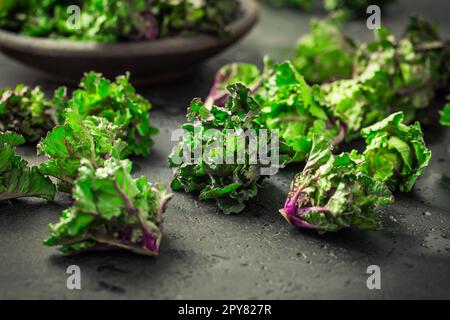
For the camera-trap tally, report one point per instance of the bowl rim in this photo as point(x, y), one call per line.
point(250, 10)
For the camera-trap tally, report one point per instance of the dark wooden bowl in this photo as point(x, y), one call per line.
point(149, 62)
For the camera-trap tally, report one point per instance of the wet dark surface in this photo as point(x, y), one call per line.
point(255, 254)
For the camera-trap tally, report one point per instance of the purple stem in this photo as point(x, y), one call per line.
point(302, 223)
point(292, 203)
point(149, 241)
point(294, 214)
point(215, 98)
point(151, 30)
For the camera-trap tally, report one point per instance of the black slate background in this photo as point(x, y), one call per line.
point(206, 255)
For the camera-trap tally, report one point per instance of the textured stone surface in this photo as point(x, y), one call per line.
point(256, 254)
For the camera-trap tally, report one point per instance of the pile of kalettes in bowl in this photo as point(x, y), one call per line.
point(114, 21)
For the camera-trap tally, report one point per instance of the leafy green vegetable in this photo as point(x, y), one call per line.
point(390, 76)
point(25, 111)
point(230, 183)
point(17, 179)
point(445, 114)
point(396, 153)
point(331, 193)
point(117, 102)
point(325, 54)
point(79, 138)
point(445, 117)
point(60, 102)
point(113, 20)
point(111, 211)
point(334, 192)
point(412, 66)
point(291, 106)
